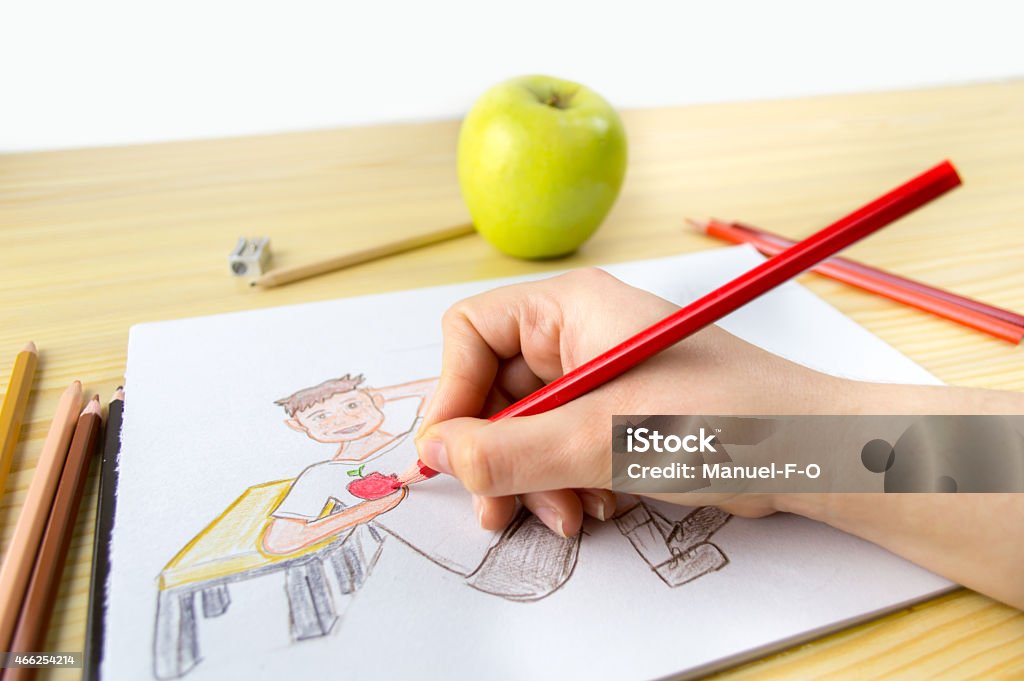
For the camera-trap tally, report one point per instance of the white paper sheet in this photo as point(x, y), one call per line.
point(201, 427)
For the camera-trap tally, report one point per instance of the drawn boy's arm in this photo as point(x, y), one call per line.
point(423, 389)
point(285, 535)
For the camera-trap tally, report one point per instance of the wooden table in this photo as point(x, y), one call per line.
point(95, 240)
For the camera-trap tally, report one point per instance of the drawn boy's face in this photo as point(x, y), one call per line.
point(340, 418)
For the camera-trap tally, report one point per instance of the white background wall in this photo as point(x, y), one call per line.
point(100, 72)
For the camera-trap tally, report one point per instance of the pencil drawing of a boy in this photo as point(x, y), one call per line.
point(372, 429)
point(364, 427)
point(337, 515)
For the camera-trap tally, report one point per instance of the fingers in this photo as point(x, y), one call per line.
point(479, 333)
point(560, 510)
point(504, 344)
point(494, 513)
point(597, 503)
point(513, 380)
point(521, 455)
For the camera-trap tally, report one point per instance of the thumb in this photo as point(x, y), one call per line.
point(518, 455)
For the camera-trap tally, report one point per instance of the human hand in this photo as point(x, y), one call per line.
point(504, 344)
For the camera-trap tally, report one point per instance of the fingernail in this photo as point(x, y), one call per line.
point(551, 518)
point(433, 453)
point(593, 505)
point(478, 506)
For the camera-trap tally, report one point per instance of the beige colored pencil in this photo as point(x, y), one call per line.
point(41, 592)
point(21, 552)
point(290, 274)
point(13, 409)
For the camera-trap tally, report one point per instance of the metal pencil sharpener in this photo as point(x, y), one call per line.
point(250, 257)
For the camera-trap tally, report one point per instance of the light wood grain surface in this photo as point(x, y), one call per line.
point(93, 241)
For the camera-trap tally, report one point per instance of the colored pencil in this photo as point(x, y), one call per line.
point(733, 295)
point(94, 630)
point(997, 322)
point(13, 410)
point(30, 634)
point(991, 310)
point(290, 274)
point(21, 552)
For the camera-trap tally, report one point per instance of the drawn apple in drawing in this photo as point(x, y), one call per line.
point(374, 486)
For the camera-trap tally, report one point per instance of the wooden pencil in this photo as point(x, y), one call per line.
point(21, 552)
point(13, 410)
point(289, 274)
point(94, 629)
point(30, 633)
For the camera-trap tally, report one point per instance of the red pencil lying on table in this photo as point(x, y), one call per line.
point(702, 312)
point(992, 320)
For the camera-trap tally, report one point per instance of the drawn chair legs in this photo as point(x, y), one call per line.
point(176, 644)
point(352, 559)
point(216, 600)
point(355, 556)
point(177, 641)
point(309, 600)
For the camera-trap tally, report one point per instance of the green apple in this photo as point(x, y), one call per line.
point(540, 163)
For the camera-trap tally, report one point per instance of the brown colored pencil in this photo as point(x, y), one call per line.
point(290, 274)
point(21, 552)
point(13, 410)
point(30, 634)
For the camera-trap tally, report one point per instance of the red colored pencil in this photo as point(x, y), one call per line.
point(994, 321)
point(991, 310)
point(733, 295)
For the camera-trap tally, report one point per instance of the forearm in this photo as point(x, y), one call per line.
point(974, 539)
point(285, 535)
point(332, 524)
point(884, 398)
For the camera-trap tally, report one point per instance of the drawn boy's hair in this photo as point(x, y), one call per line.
point(307, 397)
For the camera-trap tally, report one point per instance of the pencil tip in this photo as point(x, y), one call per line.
point(699, 225)
point(31, 347)
point(93, 406)
point(119, 393)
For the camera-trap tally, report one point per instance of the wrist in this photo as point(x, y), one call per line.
point(809, 505)
point(893, 398)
